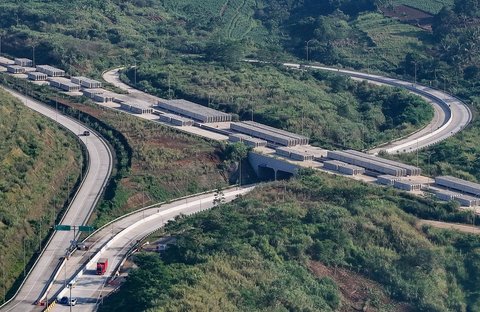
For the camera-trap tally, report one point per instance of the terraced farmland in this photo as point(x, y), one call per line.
point(385, 41)
point(234, 16)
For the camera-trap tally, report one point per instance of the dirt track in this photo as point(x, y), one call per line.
point(451, 226)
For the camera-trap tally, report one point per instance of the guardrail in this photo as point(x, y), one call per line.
point(134, 248)
point(416, 88)
point(105, 245)
point(73, 199)
point(47, 287)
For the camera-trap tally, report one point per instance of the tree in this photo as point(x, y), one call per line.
point(469, 8)
point(443, 23)
point(236, 151)
point(225, 51)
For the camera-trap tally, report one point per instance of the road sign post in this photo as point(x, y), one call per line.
point(86, 228)
point(61, 227)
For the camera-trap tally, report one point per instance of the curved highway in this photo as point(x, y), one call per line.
point(451, 114)
point(113, 77)
point(115, 240)
point(80, 209)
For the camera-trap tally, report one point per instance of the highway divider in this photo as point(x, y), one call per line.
point(106, 244)
point(85, 172)
point(134, 247)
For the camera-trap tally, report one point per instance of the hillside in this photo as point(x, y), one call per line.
point(331, 110)
point(39, 162)
point(88, 36)
point(300, 246)
point(153, 163)
point(306, 245)
point(165, 163)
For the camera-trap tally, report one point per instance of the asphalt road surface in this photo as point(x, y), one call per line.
point(89, 288)
point(451, 114)
point(112, 77)
point(100, 159)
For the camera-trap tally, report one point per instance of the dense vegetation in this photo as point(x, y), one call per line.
point(166, 164)
point(255, 254)
point(222, 32)
point(40, 163)
point(153, 163)
point(331, 109)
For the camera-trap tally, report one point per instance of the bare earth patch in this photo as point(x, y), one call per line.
point(358, 292)
point(450, 226)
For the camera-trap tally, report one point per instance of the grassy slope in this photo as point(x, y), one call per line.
point(329, 109)
point(383, 42)
point(255, 254)
point(88, 36)
point(166, 163)
point(37, 160)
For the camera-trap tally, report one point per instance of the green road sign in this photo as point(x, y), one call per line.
point(61, 227)
point(85, 228)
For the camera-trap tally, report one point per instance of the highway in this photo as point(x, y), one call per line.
point(112, 77)
point(450, 114)
point(85, 200)
point(115, 240)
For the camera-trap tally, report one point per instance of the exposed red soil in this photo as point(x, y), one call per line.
point(358, 291)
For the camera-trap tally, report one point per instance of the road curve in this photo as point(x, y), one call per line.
point(85, 200)
point(113, 77)
point(451, 114)
point(88, 287)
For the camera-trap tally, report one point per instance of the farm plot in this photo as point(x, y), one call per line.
point(430, 6)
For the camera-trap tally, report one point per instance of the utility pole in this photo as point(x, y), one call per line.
point(429, 156)
point(252, 111)
point(3, 282)
point(303, 116)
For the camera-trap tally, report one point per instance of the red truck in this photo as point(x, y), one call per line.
point(102, 265)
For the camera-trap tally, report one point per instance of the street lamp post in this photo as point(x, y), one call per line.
point(308, 42)
point(70, 302)
point(33, 55)
point(24, 257)
point(135, 76)
point(415, 79)
point(54, 210)
point(429, 156)
point(65, 271)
